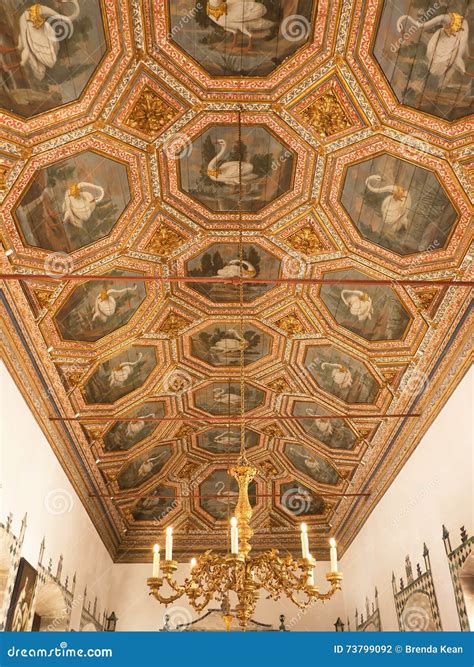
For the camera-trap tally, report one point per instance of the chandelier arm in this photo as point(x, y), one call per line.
point(166, 600)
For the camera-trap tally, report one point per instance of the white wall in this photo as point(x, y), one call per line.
point(33, 481)
point(434, 487)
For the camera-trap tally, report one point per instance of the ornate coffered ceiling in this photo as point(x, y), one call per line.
point(119, 157)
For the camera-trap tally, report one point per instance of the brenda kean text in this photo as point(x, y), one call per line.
point(389, 648)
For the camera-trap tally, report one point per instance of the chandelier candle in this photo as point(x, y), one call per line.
point(333, 554)
point(304, 541)
point(156, 560)
point(169, 544)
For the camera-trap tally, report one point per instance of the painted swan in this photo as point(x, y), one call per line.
point(340, 374)
point(148, 465)
point(134, 428)
point(396, 207)
point(39, 41)
point(120, 374)
point(226, 438)
point(323, 425)
point(106, 304)
point(232, 342)
point(224, 496)
point(232, 269)
point(244, 16)
point(359, 304)
point(310, 462)
point(229, 173)
point(449, 44)
point(80, 202)
point(221, 396)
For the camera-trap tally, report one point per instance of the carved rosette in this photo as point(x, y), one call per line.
point(150, 113)
point(305, 240)
point(326, 115)
point(165, 241)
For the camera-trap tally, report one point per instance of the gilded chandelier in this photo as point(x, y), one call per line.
point(213, 576)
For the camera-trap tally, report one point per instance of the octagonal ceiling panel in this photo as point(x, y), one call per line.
point(224, 440)
point(404, 206)
point(60, 43)
point(341, 374)
point(374, 313)
point(219, 493)
point(250, 41)
point(311, 465)
point(143, 467)
point(155, 506)
point(223, 398)
point(220, 344)
point(331, 431)
point(216, 47)
point(61, 59)
point(298, 500)
point(423, 51)
point(200, 169)
point(95, 309)
point(120, 375)
point(413, 61)
point(212, 164)
point(398, 205)
point(73, 203)
point(223, 260)
point(124, 435)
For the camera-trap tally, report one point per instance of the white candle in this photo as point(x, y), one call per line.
point(311, 574)
point(304, 541)
point(156, 560)
point(193, 563)
point(234, 536)
point(333, 554)
point(169, 544)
